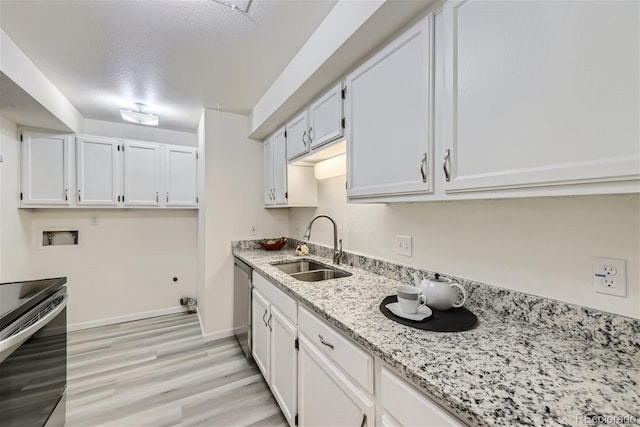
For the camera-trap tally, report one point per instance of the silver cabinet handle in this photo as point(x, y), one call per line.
point(167, 197)
point(423, 167)
point(364, 420)
point(263, 317)
point(447, 154)
point(310, 140)
point(273, 193)
point(79, 196)
point(269, 322)
point(66, 194)
point(303, 140)
point(328, 344)
point(157, 199)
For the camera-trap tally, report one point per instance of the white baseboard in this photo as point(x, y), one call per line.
point(126, 318)
point(217, 335)
point(214, 335)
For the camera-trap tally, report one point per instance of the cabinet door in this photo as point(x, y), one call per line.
point(388, 118)
point(540, 93)
point(298, 135)
point(181, 172)
point(269, 198)
point(45, 169)
point(326, 397)
point(284, 364)
point(280, 168)
point(402, 405)
point(260, 333)
point(141, 174)
point(97, 171)
point(325, 118)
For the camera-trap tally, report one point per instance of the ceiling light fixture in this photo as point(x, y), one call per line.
point(139, 116)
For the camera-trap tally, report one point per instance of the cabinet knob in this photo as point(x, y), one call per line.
point(66, 194)
point(79, 196)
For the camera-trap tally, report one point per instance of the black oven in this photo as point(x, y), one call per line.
point(33, 352)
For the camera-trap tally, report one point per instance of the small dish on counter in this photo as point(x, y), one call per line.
point(423, 312)
point(273, 244)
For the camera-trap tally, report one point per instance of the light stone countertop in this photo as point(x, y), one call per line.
point(499, 373)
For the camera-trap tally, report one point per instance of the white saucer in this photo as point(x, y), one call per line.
point(423, 312)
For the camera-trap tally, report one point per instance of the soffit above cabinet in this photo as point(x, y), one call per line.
point(21, 108)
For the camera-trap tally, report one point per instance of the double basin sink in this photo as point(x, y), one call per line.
point(310, 271)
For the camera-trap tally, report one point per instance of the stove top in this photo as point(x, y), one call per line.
point(16, 298)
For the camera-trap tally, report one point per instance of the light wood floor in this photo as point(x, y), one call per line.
point(159, 372)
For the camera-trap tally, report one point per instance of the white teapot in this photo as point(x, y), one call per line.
point(441, 293)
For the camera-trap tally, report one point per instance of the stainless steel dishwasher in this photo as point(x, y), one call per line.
point(242, 305)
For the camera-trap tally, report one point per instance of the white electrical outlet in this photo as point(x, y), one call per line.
point(253, 230)
point(610, 276)
point(403, 245)
point(94, 220)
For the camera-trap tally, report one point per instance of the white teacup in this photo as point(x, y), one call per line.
point(410, 299)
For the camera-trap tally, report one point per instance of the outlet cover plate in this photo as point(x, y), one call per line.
point(403, 245)
point(610, 276)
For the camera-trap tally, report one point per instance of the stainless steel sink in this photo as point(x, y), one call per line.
point(299, 266)
point(318, 275)
point(310, 271)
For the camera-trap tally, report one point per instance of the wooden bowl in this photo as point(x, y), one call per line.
point(273, 244)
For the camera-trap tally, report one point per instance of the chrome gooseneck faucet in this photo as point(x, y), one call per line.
point(337, 251)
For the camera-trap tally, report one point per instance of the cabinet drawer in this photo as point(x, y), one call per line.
point(284, 302)
point(408, 407)
point(354, 361)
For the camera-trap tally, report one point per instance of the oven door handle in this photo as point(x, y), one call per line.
point(9, 344)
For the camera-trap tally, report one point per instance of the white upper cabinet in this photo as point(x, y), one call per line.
point(45, 170)
point(388, 118)
point(141, 174)
point(541, 94)
point(286, 185)
point(267, 159)
point(97, 171)
point(298, 135)
point(279, 168)
point(181, 176)
point(275, 170)
point(325, 117)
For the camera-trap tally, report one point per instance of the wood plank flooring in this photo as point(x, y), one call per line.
point(159, 372)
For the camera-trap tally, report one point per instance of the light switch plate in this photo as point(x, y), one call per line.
point(403, 245)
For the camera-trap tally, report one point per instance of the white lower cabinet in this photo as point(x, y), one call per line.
point(400, 404)
point(319, 377)
point(260, 333)
point(274, 343)
point(284, 363)
point(326, 396)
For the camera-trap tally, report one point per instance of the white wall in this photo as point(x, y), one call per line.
point(541, 246)
point(138, 132)
point(122, 267)
point(15, 224)
point(234, 203)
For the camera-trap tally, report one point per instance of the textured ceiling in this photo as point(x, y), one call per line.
point(175, 56)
